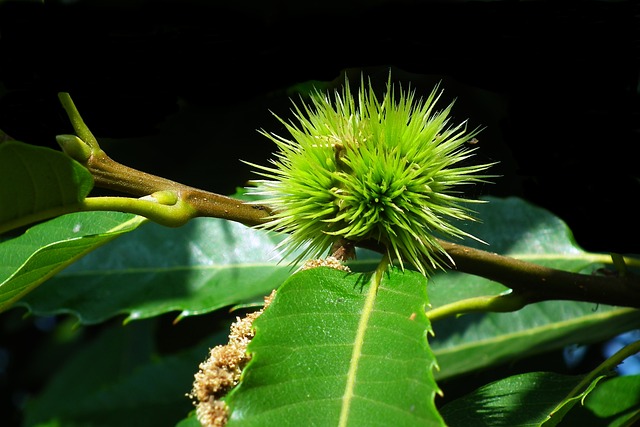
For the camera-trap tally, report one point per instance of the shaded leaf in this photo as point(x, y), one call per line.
point(136, 388)
point(616, 400)
point(202, 266)
point(531, 399)
point(576, 395)
point(5, 137)
point(331, 351)
point(519, 229)
point(34, 179)
point(44, 250)
point(516, 228)
point(476, 341)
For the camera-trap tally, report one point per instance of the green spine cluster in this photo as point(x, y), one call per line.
point(360, 167)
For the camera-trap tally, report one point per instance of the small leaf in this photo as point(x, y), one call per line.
point(34, 179)
point(531, 399)
point(44, 250)
point(329, 350)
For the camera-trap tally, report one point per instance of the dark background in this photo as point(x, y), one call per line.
point(179, 88)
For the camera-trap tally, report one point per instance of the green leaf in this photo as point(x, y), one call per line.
point(202, 266)
point(47, 248)
point(190, 421)
point(477, 341)
point(521, 230)
point(614, 402)
point(575, 395)
point(5, 137)
point(531, 399)
point(332, 349)
point(137, 388)
point(36, 179)
point(516, 228)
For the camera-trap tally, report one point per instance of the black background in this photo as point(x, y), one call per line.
point(180, 88)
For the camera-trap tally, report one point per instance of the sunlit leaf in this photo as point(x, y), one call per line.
point(34, 179)
point(189, 421)
point(44, 250)
point(194, 269)
point(331, 350)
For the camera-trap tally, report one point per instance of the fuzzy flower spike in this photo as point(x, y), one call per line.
point(365, 168)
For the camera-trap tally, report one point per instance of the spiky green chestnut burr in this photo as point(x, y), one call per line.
point(361, 168)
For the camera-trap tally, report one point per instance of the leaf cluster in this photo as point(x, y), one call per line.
point(376, 345)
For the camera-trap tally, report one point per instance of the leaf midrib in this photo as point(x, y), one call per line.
point(356, 354)
point(531, 331)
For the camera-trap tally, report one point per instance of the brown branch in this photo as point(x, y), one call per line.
point(530, 281)
point(111, 175)
point(535, 283)
point(541, 283)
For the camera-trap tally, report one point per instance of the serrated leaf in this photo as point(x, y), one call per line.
point(34, 179)
point(202, 266)
point(47, 248)
point(333, 350)
point(531, 399)
point(521, 230)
